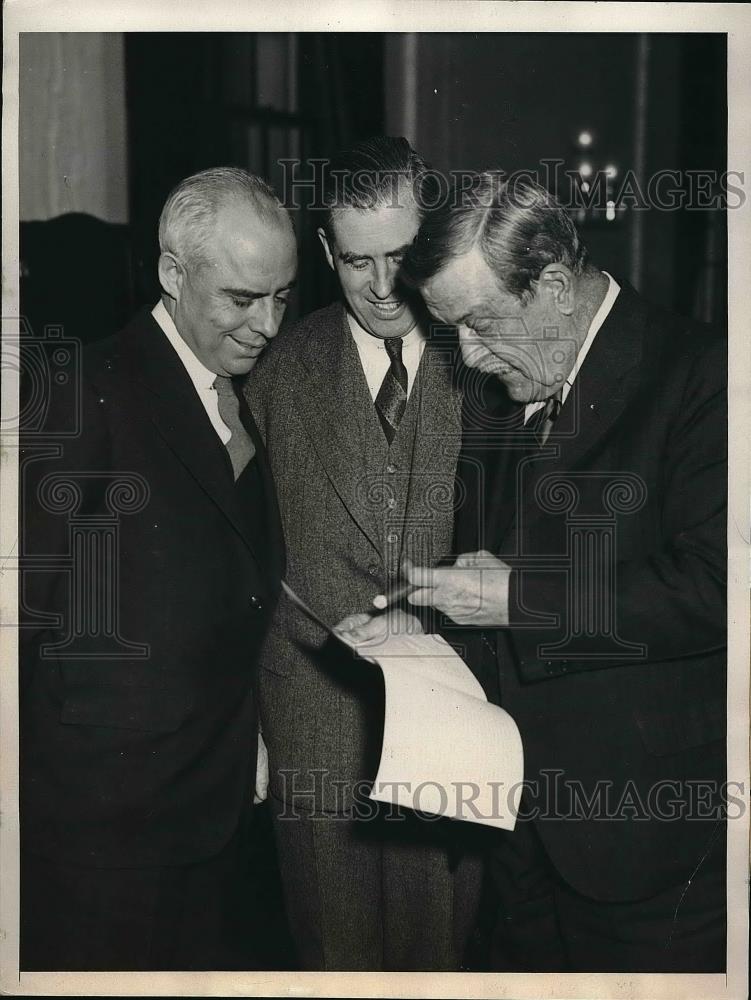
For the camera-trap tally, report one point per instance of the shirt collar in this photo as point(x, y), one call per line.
point(199, 374)
point(598, 319)
point(367, 342)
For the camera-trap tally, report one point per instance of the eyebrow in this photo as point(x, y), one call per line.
point(349, 257)
point(247, 293)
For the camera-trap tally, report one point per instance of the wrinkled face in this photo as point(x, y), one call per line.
point(530, 346)
point(366, 252)
point(228, 308)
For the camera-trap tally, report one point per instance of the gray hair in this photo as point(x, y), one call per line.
point(188, 216)
point(518, 226)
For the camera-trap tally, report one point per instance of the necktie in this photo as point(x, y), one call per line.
point(542, 420)
point(240, 447)
point(391, 400)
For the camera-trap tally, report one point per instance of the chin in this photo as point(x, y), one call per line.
point(518, 393)
point(240, 366)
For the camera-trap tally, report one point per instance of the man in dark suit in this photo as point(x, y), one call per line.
point(362, 426)
point(591, 584)
point(153, 551)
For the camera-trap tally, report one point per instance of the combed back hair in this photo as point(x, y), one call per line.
point(187, 220)
point(372, 174)
point(518, 226)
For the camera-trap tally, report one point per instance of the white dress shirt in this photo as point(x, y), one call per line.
point(376, 362)
point(597, 320)
point(200, 376)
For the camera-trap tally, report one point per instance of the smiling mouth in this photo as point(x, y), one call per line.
point(251, 350)
point(387, 308)
point(499, 370)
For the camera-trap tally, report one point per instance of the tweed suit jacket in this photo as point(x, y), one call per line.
point(352, 507)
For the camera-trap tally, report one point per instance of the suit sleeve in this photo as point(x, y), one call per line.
point(672, 601)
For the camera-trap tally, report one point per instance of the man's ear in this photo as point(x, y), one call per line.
point(557, 281)
point(171, 275)
point(326, 248)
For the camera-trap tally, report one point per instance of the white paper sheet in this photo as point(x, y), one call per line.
point(446, 750)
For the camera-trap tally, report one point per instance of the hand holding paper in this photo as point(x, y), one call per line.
point(474, 591)
point(445, 750)
point(360, 628)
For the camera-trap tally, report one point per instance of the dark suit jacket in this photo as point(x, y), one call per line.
point(343, 494)
point(630, 490)
point(138, 736)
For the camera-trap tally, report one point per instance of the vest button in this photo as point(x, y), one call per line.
point(392, 537)
point(391, 468)
point(391, 503)
point(373, 569)
point(256, 602)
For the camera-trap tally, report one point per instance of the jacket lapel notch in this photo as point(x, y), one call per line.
point(337, 412)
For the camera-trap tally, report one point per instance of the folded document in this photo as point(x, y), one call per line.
point(446, 750)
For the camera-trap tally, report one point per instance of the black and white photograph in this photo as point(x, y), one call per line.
point(375, 499)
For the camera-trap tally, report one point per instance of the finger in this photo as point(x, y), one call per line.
point(421, 576)
point(422, 598)
point(376, 629)
point(472, 559)
point(465, 559)
point(352, 622)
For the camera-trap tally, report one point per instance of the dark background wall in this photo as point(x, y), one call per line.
point(651, 103)
point(493, 100)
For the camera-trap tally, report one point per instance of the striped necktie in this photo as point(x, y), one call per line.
point(240, 446)
point(542, 420)
point(391, 400)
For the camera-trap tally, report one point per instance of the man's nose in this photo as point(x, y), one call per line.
point(264, 319)
point(468, 343)
point(382, 282)
point(466, 336)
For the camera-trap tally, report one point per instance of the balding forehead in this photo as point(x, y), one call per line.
point(256, 206)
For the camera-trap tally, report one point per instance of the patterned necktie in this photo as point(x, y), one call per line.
point(542, 420)
point(391, 400)
point(240, 446)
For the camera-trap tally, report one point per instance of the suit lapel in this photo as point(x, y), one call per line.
point(605, 383)
point(334, 402)
point(180, 418)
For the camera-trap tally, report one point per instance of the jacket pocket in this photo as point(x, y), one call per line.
point(145, 708)
point(664, 733)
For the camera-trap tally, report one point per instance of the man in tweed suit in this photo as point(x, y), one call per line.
point(362, 423)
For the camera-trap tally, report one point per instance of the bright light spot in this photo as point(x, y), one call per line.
point(435, 90)
point(610, 211)
point(585, 169)
point(611, 170)
point(585, 186)
point(585, 139)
